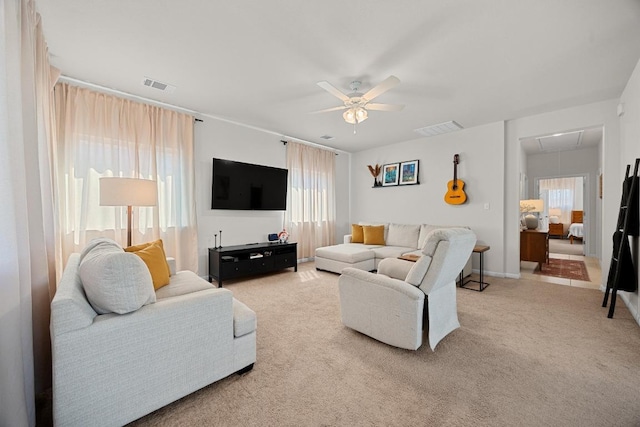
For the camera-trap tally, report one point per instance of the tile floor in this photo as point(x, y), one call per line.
point(593, 268)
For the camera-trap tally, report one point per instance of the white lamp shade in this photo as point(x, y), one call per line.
point(128, 192)
point(534, 205)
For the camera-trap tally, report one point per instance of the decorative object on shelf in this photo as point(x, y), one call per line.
point(529, 207)
point(409, 173)
point(220, 238)
point(375, 171)
point(283, 236)
point(455, 194)
point(215, 240)
point(390, 175)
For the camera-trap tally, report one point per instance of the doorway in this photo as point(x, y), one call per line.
point(571, 156)
point(564, 215)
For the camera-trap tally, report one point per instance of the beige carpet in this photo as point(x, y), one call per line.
point(563, 246)
point(528, 354)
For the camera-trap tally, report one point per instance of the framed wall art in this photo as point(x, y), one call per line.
point(409, 172)
point(390, 174)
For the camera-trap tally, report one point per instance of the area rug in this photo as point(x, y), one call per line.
point(566, 269)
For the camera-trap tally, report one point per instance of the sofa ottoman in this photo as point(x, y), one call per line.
point(335, 258)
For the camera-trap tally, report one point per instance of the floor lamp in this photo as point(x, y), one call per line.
point(128, 192)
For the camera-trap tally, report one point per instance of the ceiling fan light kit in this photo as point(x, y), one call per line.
point(356, 104)
point(355, 115)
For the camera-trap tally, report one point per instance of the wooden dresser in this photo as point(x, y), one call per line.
point(556, 230)
point(534, 246)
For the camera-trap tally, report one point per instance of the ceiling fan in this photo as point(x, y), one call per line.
point(357, 104)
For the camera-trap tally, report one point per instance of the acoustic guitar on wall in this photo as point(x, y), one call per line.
point(455, 193)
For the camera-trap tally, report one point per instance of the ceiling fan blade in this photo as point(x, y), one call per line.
point(384, 107)
point(332, 90)
point(388, 83)
point(326, 110)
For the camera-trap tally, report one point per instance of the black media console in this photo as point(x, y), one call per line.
point(232, 262)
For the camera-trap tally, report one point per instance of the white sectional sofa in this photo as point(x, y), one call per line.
point(110, 369)
point(399, 239)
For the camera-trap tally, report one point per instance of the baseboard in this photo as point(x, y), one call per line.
point(492, 273)
point(624, 296)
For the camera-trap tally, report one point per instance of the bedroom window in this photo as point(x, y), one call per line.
point(564, 194)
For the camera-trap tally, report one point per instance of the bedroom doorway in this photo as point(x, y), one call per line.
point(570, 153)
point(564, 215)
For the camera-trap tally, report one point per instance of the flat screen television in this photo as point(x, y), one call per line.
point(245, 186)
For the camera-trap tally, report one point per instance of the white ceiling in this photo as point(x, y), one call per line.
point(563, 141)
point(257, 62)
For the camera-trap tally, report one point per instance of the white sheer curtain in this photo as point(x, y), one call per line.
point(311, 214)
point(564, 194)
point(27, 273)
point(102, 135)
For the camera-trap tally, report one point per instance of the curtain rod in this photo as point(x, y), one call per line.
point(124, 94)
point(68, 79)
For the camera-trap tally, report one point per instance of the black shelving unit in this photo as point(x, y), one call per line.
point(232, 262)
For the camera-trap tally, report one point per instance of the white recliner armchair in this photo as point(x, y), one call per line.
point(389, 305)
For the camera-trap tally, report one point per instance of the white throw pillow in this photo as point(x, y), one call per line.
point(114, 281)
point(403, 235)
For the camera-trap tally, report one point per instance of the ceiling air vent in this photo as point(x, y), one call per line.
point(158, 85)
point(438, 129)
point(327, 137)
point(561, 141)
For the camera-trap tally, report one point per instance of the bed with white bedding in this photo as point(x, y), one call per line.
point(576, 229)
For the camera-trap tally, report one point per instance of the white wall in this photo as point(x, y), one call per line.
point(629, 151)
point(481, 167)
point(215, 138)
point(581, 117)
point(343, 195)
point(568, 163)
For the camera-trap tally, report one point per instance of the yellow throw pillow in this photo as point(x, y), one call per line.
point(153, 256)
point(373, 234)
point(136, 248)
point(357, 234)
